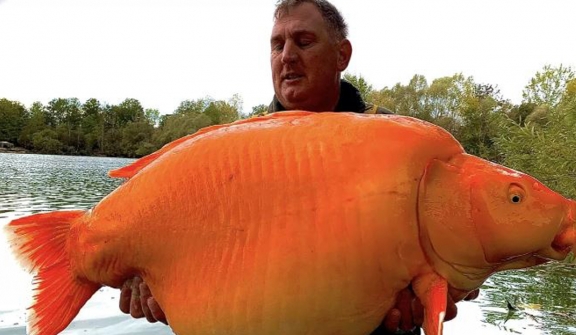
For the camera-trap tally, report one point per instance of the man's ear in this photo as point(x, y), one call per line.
point(344, 54)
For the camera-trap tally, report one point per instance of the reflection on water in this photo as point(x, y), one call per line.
point(544, 297)
point(37, 183)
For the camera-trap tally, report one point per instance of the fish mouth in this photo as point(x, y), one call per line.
point(562, 245)
point(565, 240)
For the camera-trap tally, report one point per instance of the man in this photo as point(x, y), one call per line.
point(309, 51)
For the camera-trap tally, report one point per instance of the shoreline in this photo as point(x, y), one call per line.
point(22, 151)
point(15, 150)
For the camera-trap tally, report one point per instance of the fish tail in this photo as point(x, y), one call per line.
point(40, 243)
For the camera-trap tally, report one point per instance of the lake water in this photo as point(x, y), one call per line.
point(545, 296)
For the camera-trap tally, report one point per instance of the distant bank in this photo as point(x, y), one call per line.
point(15, 150)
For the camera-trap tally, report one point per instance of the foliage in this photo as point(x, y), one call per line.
point(66, 126)
point(13, 117)
point(258, 110)
point(548, 86)
point(481, 114)
point(411, 100)
point(34, 124)
point(544, 146)
point(135, 139)
point(193, 115)
point(46, 142)
point(519, 113)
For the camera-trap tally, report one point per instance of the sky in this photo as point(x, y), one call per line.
point(162, 52)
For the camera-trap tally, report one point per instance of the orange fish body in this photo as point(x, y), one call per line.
point(293, 223)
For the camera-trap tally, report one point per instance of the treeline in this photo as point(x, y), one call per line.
point(67, 126)
point(538, 136)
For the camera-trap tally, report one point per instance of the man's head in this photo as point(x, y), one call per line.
point(309, 50)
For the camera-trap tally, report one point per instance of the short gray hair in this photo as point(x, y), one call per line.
point(331, 15)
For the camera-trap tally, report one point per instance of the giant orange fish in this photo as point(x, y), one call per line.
point(296, 223)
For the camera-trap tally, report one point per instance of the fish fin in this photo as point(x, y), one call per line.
point(40, 244)
point(432, 290)
point(132, 169)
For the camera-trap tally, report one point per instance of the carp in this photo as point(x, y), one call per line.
point(296, 223)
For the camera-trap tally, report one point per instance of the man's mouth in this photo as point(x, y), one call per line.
point(290, 77)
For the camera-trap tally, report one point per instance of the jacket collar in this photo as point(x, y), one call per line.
point(349, 100)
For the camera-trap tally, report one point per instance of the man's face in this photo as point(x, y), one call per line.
point(307, 60)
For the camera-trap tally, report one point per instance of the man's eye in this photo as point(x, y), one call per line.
point(304, 43)
point(277, 47)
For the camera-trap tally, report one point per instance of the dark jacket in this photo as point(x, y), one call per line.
point(350, 101)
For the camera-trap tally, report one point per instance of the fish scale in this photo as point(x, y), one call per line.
point(296, 223)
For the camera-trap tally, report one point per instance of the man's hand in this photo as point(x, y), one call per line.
point(136, 300)
point(408, 313)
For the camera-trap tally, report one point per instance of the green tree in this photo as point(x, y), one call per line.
point(481, 115)
point(13, 118)
point(257, 110)
point(569, 98)
point(46, 142)
point(113, 142)
point(385, 98)
point(548, 86)
point(115, 118)
point(136, 138)
point(174, 126)
point(528, 149)
point(65, 115)
point(520, 112)
point(35, 124)
point(193, 106)
point(152, 116)
point(412, 99)
point(93, 126)
point(129, 110)
point(192, 115)
point(446, 95)
point(223, 112)
point(187, 119)
point(539, 116)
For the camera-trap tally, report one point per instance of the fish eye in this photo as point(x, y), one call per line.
point(516, 194)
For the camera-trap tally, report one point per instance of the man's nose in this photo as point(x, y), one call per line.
point(289, 53)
